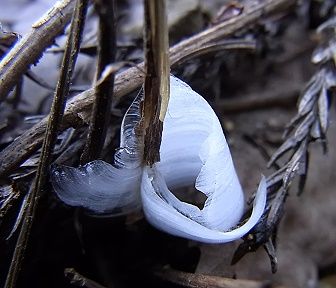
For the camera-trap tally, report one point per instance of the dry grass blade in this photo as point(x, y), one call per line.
point(308, 98)
point(104, 92)
point(293, 166)
point(274, 179)
point(62, 90)
point(300, 134)
point(19, 217)
point(303, 129)
point(270, 250)
point(303, 172)
point(157, 78)
point(289, 144)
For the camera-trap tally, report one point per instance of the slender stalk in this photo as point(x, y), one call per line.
point(103, 93)
point(50, 137)
point(157, 78)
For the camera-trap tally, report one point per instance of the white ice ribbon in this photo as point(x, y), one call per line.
point(193, 152)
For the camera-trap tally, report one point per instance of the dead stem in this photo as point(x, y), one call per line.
point(221, 45)
point(104, 92)
point(157, 78)
point(55, 117)
point(78, 109)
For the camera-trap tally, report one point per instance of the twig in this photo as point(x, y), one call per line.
point(221, 45)
point(78, 109)
point(104, 92)
point(203, 281)
point(62, 90)
point(157, 78)
point(30, 48)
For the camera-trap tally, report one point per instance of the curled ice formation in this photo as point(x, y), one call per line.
point(193, 152)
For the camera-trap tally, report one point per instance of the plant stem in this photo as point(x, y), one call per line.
point(103, 93)
point(55, 117)
point(157, 78)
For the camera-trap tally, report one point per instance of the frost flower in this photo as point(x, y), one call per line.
point(193, 152)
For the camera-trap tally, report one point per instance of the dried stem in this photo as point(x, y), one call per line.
point(55, 117)
point(217, 46)
point(78, 109)
point(30, 48)
point(157, 78)
point(104, 92)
